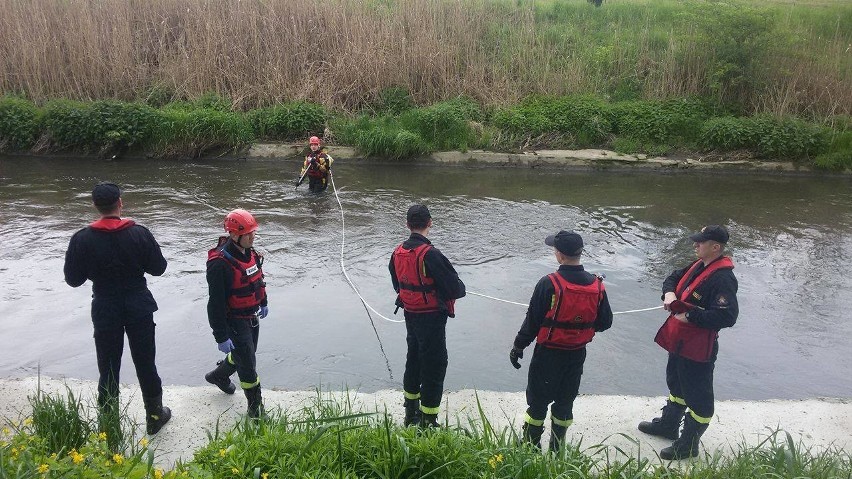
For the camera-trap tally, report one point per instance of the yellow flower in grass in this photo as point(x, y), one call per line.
point(118, 459)
point(158, 474)
point(77, 458)
point(222, 452)
point(495, 460)
point(143, 442)
point(28, 421)
point(102, 436)
point(43, 468)
point(265, 475)
point(235, 470)
point(6, 431)
point(14, 452)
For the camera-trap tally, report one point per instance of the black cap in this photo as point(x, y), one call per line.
point(568, 243)
point(715, 233)
point(105, 194)
point(418, 216)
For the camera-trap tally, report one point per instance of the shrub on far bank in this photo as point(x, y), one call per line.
point(769, 137)
point(196, 132)
point(19, 124)
point(288, 121)
point(99, 126)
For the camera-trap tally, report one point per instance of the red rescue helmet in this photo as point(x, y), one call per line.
point(240, 222)
point(314, 140)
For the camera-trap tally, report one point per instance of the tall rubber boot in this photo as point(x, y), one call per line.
point(532, 434)
point(668, 424)
point(686, 445)
point(557, 436)
point(412, 412)
point(428, 420)
point(221, 376)
point(156, 415)
point(255, 402)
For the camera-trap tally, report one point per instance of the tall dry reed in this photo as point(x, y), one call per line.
point(343, 53)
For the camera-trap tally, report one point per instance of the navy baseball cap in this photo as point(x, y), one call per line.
point(418, 216)
point(105, 194)
point(715, 233)
point(568, 243)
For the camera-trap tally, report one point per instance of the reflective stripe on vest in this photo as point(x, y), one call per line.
point(570, 323)
point(687, 339)
point(248, 289)
point(416, 289)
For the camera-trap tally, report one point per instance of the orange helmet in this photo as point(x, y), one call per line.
point(314, 140)
point(240, 222)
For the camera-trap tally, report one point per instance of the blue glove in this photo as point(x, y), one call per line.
point(264, 310)
point(226, 346)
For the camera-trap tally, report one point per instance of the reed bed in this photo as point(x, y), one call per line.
point(752, 56)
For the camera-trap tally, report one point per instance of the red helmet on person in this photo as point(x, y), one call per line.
point(240, 222)
point(314, 140)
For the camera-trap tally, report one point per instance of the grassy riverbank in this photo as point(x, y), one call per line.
point(328, 437)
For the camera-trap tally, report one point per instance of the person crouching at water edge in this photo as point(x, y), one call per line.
point(566, 309)
point(237, 301)
point(317, 166)
point(427, 286)
point(701, 300)
point(115, 253)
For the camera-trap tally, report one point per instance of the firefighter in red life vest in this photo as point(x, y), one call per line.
point(701, 299)
point(427, 286)
point(115, 253)
point(566, 309)
point(237, 301)
point(318, 166)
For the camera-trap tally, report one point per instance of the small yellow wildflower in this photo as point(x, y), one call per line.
point(235, 470)
point(102, 436)
point(118, 459)
point(497, 459)
point(158, 474)
point(78, 458)
point(222, 452)
point(265, 475)
point(143, 442)
point(43, 468)
point(28, 421)
point(72, 452)
point(6, 431)
point(14, 452)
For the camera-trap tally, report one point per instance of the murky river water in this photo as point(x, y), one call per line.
point(791, 242)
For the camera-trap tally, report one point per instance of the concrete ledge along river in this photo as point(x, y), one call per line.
point(790, 240)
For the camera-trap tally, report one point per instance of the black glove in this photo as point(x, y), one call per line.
point(514, 355)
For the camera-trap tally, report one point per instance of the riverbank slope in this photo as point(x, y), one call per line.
point(609, 420)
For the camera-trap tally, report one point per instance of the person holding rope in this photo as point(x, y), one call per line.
point(701, 300)
point(317, 166)
point(427, 287)
point(237, 301)
point(566, 309)
point(115, 253)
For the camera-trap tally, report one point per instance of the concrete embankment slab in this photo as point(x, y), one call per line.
point(609, 420)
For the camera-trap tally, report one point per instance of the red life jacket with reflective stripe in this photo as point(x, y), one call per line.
point(687, 339)
point(318, 168)
point(248, 288)
point(570, 323)
point(416, 290)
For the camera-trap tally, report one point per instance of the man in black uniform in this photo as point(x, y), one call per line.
point(427, 286)
point(115, 254)
point(701, 299)
point(566, 309)
point(237, 301)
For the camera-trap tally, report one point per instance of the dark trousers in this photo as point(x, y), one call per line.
point(554, 377)
point(244, 333)
point(109, 346)
point(691, 381)
point(317, 183)
point(426, 361)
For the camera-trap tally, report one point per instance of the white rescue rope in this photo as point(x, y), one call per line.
point(527, 305)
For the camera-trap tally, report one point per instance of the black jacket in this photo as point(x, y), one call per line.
point(220, 281)
point(447, 283)
point(116, 262)
point(717, 295)
point(540, 304)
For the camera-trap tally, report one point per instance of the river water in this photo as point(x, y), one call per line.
point(790, 240)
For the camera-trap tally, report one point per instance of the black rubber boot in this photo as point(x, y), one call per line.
point(255, 402)
point(557, 436)
point(668, 424)
point(428, 420)
point(686, 445)
point(156, 415)
point(221, 376)
point(532, 434)
point(412, 412)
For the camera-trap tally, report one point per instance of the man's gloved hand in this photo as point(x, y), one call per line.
point(226, 346)
point(514, 355)
point(264, 310)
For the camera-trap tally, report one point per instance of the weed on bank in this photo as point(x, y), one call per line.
point(328, 437)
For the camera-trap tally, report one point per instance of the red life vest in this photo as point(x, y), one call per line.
point(318, 168)
point(570, 323)
point(248, 289)
point(416, 290)
point(686, 339)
